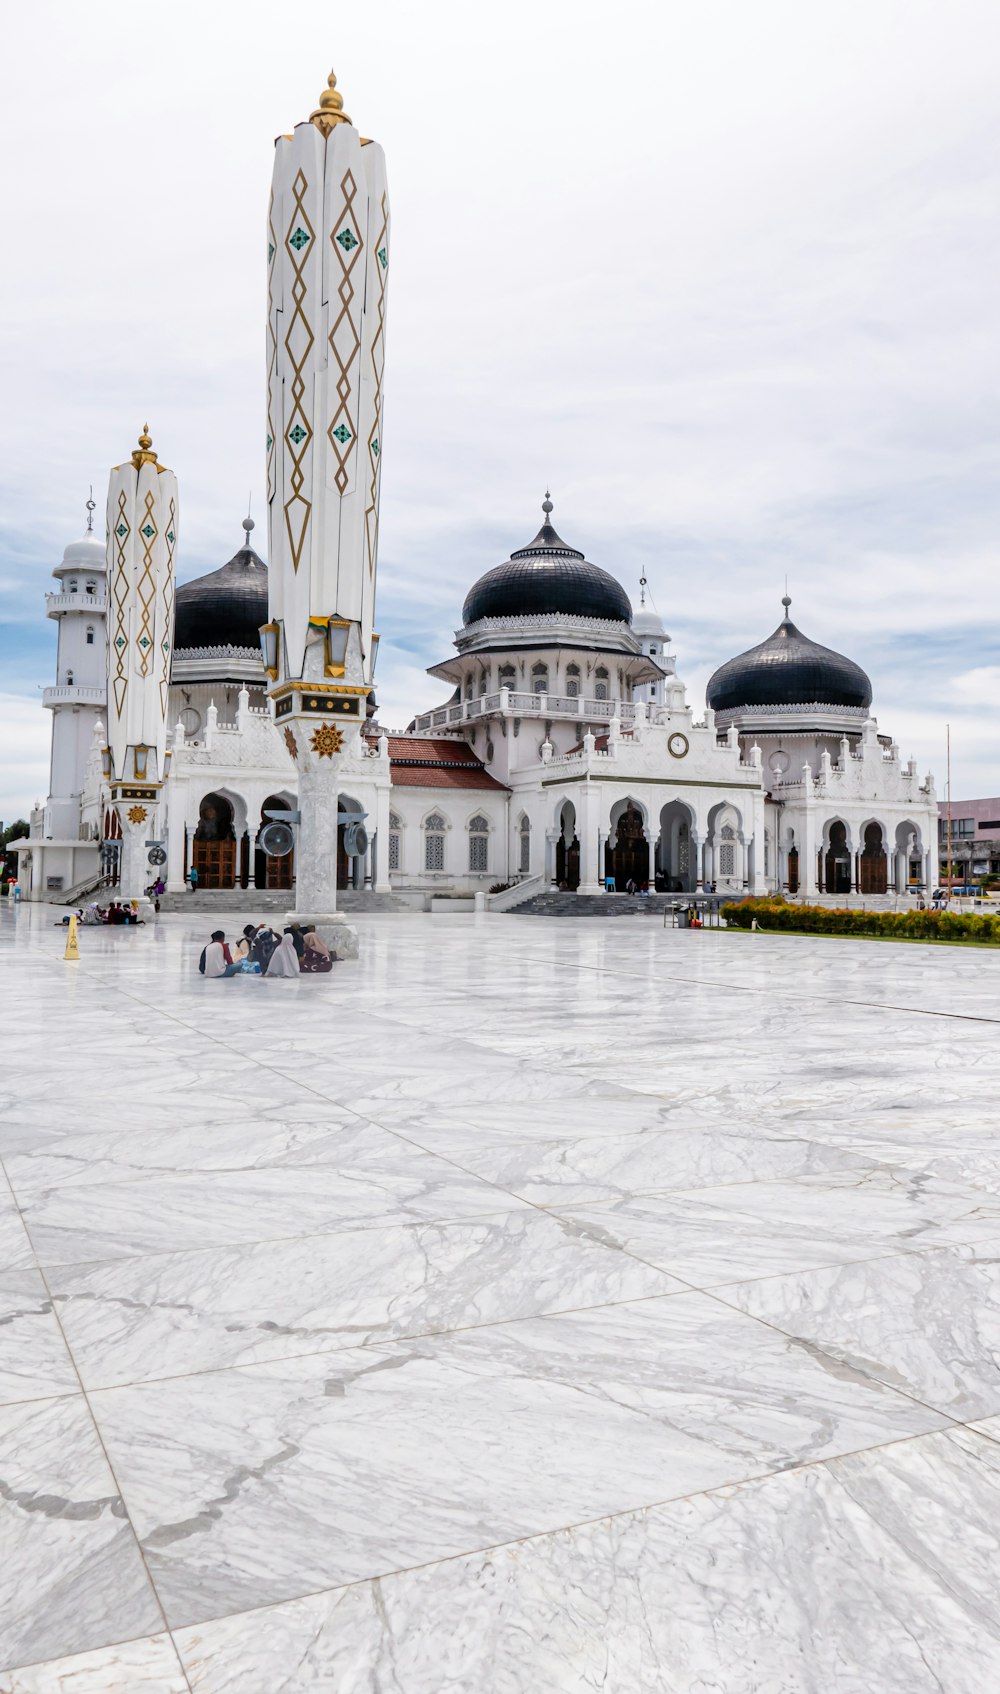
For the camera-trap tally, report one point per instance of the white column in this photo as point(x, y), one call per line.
point(175, 842)
point(587, 829)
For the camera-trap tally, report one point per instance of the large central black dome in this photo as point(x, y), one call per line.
point(225, 608)
point(547, 577)
point(788, 670)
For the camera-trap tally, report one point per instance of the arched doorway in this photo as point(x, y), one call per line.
point(350, 868)
point(568, 848)
point(793, 870)
point(628, 859)
point(214, 848)
point(676, 850)
point(837, 878)
point(268, 871)
point(873, 866)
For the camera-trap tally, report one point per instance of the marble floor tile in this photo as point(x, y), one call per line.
point(131, 1667)
point(33, 1357)
point(15, 1247)
point(263, 1483)
point(728, 1234)
point(925, 1323)
point(873, 1574)
point(71, 1577)
point(379, 1175)
point(598, 1168)
point(325, 1137)
point(134, 1320)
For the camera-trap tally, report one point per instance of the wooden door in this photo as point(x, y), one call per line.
point(215, 862)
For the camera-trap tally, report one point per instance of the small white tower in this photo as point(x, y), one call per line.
point(77, 701)
point(647, 627)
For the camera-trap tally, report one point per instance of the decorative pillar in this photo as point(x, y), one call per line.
point(328, 256)
point(176, 841)
point(589, 835)
point(141, 548)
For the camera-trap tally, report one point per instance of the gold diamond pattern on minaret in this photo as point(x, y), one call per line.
point(273, 407)
point(378, 368)
point(166, 641)
point(119, 594)
point(300, 240)
point(345, 343)
point(146, 586)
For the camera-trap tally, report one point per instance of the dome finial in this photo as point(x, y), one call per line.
point(91, 508)
point(642, 590)
point(330, 110)
point(143, 454)
point(547, 505)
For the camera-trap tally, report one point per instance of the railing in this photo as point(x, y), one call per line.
point(74, 691)
point(516, 896)
point(76, 602)
point(541, 705)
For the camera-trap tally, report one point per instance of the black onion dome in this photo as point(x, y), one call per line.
point(547, 576)
point(225, 608)
point(788, 670)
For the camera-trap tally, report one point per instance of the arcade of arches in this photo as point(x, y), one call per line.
point(223, 861)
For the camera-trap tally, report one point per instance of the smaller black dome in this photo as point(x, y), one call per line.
point(547, 576)
point(225, 608)
point(788, 670)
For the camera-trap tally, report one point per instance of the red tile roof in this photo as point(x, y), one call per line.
point(439, 763)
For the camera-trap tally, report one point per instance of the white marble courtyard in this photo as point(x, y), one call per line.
point(537, 1307)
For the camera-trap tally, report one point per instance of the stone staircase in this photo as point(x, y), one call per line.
point(251, 901)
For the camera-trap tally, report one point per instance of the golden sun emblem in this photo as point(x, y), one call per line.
point(290, 742)
point(137, 814)
point(327, 740)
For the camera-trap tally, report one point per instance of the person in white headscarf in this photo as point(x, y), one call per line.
point(284, 959)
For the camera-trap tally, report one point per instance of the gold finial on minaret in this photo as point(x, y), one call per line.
point(330, 110)
point(143, 454)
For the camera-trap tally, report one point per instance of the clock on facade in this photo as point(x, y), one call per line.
point(677, 744)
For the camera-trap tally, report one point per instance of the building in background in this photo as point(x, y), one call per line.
point(975, 840)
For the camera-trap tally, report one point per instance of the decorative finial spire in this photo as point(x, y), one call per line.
point(786, 602)
point(547, 505)
point(143, 454)
point(642, 590)
point(330, 110)
point(248, 526)
point(91, 508)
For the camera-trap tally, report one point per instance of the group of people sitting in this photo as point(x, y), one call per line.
point(119, 911)
point(261, 951)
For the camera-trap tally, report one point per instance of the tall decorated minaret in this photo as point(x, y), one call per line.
point(142, 546)
point(328, 257)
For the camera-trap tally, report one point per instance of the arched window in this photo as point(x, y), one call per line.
point(524, 861)
point(69, 679)
point(74, 585)
point(479, 843)
point(484, 683)
point(508, 676)
point(91, 588)
point(468, 686)
point(90, 635)
point(573, 681)
point(727, 851)
point(601, 683)
point(395, 832)
point(434, 828)
point(539, 679)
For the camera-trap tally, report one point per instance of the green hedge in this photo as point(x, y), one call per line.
point(821, 920)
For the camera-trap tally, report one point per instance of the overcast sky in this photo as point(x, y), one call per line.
point(724, 275)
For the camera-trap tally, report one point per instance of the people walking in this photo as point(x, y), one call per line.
point(193, 878)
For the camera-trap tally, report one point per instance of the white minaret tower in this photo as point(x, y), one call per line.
point(647, 627)
point(79, 607)
point(141, 548)
point(328, 258)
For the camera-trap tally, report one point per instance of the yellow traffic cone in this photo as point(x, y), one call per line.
point(72, 943)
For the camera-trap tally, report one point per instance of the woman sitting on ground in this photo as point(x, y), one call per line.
point(284, 959)
point(316, 955)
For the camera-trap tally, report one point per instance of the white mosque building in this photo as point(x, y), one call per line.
point(565, 752)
